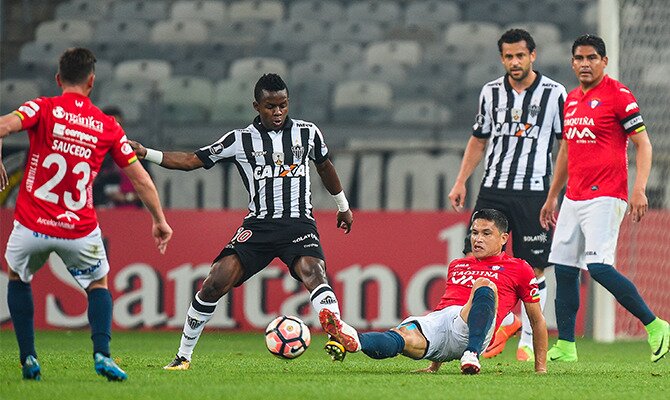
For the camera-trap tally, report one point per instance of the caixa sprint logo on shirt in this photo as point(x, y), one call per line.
point(280, 171)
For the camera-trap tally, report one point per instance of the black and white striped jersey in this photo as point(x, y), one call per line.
point(521, 128)
point(273, 165)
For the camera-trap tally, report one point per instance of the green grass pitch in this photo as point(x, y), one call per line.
point(237, 366)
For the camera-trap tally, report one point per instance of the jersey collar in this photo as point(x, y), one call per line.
point(288, 124)
point(508, 86)
point(495, 258)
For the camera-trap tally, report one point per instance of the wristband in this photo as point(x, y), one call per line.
point(155, 156)
point(341, 201)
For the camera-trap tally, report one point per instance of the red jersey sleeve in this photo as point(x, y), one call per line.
point(121, 152)
point(30, 112)
point(527, 289)
point(627, 112)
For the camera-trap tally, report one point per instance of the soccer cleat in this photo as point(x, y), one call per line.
point(178, 364)
point(659, 339)
point(339, 330)
point(470, 363)
point(31, 369)
point(503, 333)
point(563, 351)
point(335, 350)
point(106, 367)
point(525, 353)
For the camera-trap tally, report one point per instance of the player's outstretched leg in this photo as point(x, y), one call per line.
point(501, 336)
point(106, 367)
point(31, 369)
point(339, 330)
point(659, 338)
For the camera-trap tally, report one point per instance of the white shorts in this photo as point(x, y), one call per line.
point(85, 258)
point(446, 333)
point(587, 231)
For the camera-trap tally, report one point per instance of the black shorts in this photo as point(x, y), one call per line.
point(530, 241)
point(258, 242)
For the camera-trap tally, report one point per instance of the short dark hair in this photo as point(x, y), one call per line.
point(113, 111)
point(590, 40)
point(497, 217)
point(75, 65)
point(514, 36)
point(271, 83)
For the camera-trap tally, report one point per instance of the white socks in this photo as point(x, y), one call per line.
point(323, 297)
point(197, 316)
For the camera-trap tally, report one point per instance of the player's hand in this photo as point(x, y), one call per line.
point(431, 369)
point(140, 150)
point(162, 233)
point(4, 179)
point(344, 220)
point(548, 213)
point(638, 205)
point(457, 196)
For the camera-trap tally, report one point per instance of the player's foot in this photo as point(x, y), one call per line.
point(525, 353)
point(563, 351)
point(339, 330)
point(106, 367)
point(503, 333)
point(470, 363)
point(659, 338)
point(335, 350)
point(31, 369)
point(178, 364)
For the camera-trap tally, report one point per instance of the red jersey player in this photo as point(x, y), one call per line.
point(69, 137)
point(600, 116)
point(480, 291)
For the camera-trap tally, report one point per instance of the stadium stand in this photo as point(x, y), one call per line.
point(208, 11)
point(88, 10)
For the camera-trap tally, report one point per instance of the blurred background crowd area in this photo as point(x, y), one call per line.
point(380, 78)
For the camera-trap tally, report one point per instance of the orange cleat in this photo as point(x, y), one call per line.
point(503, 333)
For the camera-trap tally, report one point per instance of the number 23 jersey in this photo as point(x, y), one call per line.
point(69, 137)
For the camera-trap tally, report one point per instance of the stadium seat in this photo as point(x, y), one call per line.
point(314, 71)
point(303, 31)
point(403, 52)
point(495, 11)
point(213, 69)
point(543, 33)
point(346, 52)
point(13, 92)
point(656, 74)
point(315, 10)
point(186, 99)
point(29, 70)
point(383, 12)
point(118, 91)
point(143, 69)
point(479, 74)
point(362, 101)
point(264, 10)
point(72, 30)
point(420, 112)
point(378, 72)
point(433, 14)
point(205, 10)
point(104, 70)
point(233, 100)
point(121, 31)
point(245, 33)
point(46, 53)
point(252, 68)
point(89, 10)
point(152, 10)
point(429, 80)
point(473, 41)
point(356, 31)
point(179, 31)
point(310, 100)
point(133, 111)
point(554, 54)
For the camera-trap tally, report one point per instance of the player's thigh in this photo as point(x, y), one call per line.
point(445, 339)
point(27, 251)
point(530, 241)
point(85, 258)
point(567, 246)
point(416, 343)
point(300, 249)
point(601, 220)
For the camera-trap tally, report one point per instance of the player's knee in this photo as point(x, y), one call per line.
point(482, 282)
point(311, 270)
point(219, 282)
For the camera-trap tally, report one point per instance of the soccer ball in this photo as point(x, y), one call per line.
point(287, 337)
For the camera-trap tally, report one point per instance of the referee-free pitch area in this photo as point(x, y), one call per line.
point(238, 366)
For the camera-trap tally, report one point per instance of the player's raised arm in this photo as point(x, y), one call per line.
point(145, 188)
point(331, 181)
point(540, 337)
point(168, 159)
point(471, 158)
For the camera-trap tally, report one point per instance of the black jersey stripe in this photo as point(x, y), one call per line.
point(303, 198)
point(248, 147)
point(530, 166)
point(268, 148)
point(287, 144)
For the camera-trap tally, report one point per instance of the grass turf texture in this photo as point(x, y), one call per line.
point(238, 366)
